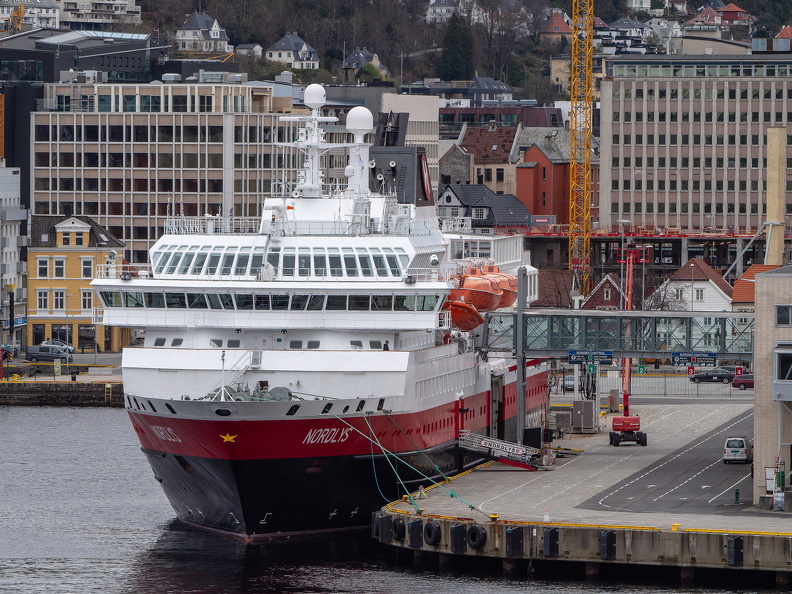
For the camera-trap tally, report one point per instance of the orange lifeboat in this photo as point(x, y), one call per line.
point(479, 291)
point(507, 283)
point(464, 315)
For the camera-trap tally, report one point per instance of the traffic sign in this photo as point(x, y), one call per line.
point(592, 369)
point(641, 369)
point(590, 357)
point(691, 370)
point(700, 359)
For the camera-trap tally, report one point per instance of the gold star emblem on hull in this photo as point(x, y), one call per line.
point(229, 438)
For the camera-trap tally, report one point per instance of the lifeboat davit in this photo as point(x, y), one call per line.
point(464, 315)
point(507, 283)
point(479, 291)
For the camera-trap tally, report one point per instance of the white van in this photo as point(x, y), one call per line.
point(737, 449)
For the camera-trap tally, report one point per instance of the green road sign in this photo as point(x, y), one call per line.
point(592, 369)
point(642, 369)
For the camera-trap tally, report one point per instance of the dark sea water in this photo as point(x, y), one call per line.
point(81, 512)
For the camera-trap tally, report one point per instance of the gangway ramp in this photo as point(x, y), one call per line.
point(502, 451)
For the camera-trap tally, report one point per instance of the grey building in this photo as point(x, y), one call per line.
point(684, 140)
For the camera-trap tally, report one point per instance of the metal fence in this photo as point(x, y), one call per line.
point(655, 382)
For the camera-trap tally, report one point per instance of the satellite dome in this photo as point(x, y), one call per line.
point(315, 96)
point(360, 120)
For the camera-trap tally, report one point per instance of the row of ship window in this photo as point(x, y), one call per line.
point(250, 301)
point(217, 343)
point(336, 262)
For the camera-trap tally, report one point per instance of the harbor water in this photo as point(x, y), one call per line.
point(80, 512)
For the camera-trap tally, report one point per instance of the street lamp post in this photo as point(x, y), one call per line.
point(622, 223)
point(692, 269)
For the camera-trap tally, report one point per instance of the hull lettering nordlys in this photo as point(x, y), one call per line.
point(165, 433)
point(335, 435)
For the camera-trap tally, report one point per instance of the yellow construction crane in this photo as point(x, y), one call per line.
point(580, 151)
point(14, 23)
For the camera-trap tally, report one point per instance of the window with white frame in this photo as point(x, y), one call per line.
point(43, 268)
point(87, 268)
point(87, 300)
point(479, 213)
point(783, 315)
point(42, 301)
point(606, 294)
point(699, 294)
point(79, 238)
point(58, 299)
point(59, 268)
point(678, 293)
point(66, 239)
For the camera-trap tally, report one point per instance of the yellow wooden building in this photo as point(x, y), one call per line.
point(63, 255)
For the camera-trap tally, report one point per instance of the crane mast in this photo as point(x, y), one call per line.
point(580, 135)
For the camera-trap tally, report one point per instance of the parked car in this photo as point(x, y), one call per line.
point(34, 354)
point(743, 382)
point(713, 375)
point(568, 383)
point(733, 368)
point(737, 449)
point(58, 343)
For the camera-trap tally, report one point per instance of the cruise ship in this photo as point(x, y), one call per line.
point(300, 370)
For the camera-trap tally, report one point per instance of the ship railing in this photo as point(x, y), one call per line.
point(456, 225)
point(211, 225)
point(267, 274)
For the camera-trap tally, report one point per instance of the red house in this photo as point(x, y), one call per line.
point(543, 175)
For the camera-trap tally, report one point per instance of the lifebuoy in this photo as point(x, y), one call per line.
point(398, 529)
point(431, 533)
point(476, 537)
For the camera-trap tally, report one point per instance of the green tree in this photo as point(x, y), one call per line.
point(368, 72)
point(456, 61)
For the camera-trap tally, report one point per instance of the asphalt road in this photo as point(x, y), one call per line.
point(693, 479)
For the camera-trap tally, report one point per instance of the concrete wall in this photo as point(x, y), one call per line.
point(772, 419)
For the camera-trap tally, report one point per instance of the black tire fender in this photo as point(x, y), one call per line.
point(476, 537)
point(431, 533)
point(398, 529)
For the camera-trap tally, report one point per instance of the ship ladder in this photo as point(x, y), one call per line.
point(501, 451)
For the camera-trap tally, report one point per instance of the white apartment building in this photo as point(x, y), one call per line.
point(683, 139)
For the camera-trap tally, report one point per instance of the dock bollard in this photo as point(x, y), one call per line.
point(736, 497)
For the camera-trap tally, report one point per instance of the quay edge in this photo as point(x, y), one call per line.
point(595, 546)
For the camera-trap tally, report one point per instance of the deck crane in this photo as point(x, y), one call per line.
point(580, 144)
point(626, 427)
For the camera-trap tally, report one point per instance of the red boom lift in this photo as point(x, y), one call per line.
point(626, 427)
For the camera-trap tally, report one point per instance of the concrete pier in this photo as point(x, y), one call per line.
point(584, 510)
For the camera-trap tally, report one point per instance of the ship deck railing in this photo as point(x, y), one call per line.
point(128, 272)
point(356, 225)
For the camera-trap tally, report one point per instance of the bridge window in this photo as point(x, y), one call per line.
point(244, 301)
point(350, 263)
point(404, 303)
point(185, 263)
point(133, 299)
point(216, 342)
point(379, 264)
point(175, 300)
point(336, 302)
point(273, 258)
point(313, 344)
point(196, 301)
point(298, 302)
point(233, 344)
point(288, 263)
point(173, 263)
point(359, 302)
point(304, 262)
point(279, 301)
point(214, 301)
point(375, 345)
point(262, 301)
point(159, 342)
point(228, 260)
point(226, 300)
point(211, 267)
point(295, 344)
point(316, 303)
point(111, 299)
point(320, 265)
point(382, 302)
point(334, 258)
point(242, 264)
point(200, 260)
point(155, 300)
